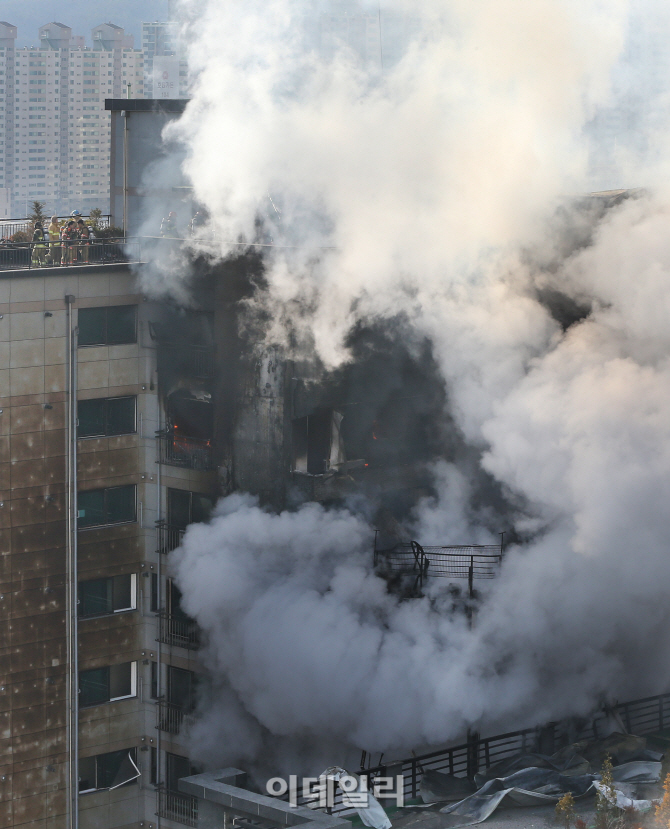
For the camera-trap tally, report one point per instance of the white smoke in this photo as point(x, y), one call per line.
point(429, 182)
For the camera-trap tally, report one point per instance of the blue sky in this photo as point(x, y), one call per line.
point(80, 15)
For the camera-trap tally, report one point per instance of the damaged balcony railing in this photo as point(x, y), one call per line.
point(169, 537)
point(187, 452)
point(182, 808)
point(170, 717)
point(476, 561)
point(648, 715)
point(175, 630)
point(196, 361)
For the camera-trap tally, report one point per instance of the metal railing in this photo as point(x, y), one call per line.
point(187, 452)
point(30, 256)
point(169, 537)
point(8, 227)
point(170, 717)
point(643, 716)
point(475, 561)
point(193, 360)
point(175, 630)
point(182, 808)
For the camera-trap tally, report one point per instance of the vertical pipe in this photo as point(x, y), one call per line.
point(71, 576)
point(159, 601)
point(125, 173)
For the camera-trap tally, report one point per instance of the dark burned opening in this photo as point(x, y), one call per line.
point(190, 417)
point(316, 442)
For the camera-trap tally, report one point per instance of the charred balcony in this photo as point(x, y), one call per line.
point(188, 452)
point(407, 565)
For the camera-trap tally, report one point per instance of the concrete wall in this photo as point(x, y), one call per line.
point(33, 562)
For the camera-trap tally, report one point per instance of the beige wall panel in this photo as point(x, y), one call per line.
point(93, 375)
point(26, 380)
point(55, 325)
point(94, 285)
point(54, 351)
point(28, 326)
point(26, 353)
point(26, 446)
point(54, 379)
point(124, 372)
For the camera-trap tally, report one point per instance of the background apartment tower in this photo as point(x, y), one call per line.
point(54, 144)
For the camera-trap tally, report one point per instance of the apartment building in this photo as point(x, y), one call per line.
point(98, 662)
point(164, 60)
point(55, 133)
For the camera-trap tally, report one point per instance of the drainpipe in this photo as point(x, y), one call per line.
point(159, 605)
point(125, 116)
point(71, 568)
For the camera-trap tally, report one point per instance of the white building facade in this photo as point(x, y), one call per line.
point(54, 130)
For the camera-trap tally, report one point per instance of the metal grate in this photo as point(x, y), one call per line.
point(643, 716)
point(170, 717)
point(189, 453)
point(182, 808)
point(169, 537)
point(177, 631)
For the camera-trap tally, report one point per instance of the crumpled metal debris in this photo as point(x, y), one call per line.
point(372, 814)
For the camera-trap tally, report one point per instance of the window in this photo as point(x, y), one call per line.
point(106, 416)
point(113, 505)
point(108, 684)
point(108, 326)
point(184, 508)
point(176, 768)
point(108, 771)
point(181, 688)
point(111, 595)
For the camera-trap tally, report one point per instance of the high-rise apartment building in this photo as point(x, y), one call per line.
point(160, 43)
point(54, 140)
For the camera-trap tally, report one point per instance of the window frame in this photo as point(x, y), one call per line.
point(110, 698)
point(105, 522)
point(105, 335)
point(97, 760)
point(114, 610)
point(105, 401)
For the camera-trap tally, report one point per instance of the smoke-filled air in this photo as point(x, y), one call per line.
point(434, 180)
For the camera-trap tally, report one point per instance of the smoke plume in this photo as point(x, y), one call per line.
point(432, 183)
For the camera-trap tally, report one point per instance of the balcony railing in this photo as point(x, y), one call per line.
point(169, 537)
point(175, 630)
point(170, 717)
point(8, 227)
point(182, 808)
point(29, 256)
point(187, 452)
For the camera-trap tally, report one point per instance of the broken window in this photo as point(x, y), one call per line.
point(110, 595)
point(317, 443)
point(113, 505)
point(107, 684)
point(106, 416)
point(115, 325)
point(108, 771)
point(184, 508)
